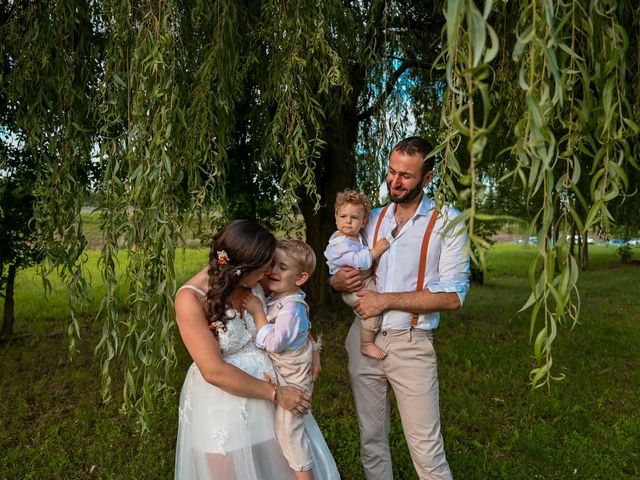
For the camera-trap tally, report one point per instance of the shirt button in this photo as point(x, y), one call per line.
point(384, 334)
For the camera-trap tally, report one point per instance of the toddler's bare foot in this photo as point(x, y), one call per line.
point(372, 350)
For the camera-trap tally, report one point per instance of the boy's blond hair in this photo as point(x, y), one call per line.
point(302, 253)
point(353, 198)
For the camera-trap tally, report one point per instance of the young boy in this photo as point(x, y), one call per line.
point(284, 332)
point(346, 249)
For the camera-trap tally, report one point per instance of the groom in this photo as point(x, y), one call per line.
point(424, 272)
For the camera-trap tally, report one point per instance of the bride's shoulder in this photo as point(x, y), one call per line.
point(199, 284)
point(193, 288)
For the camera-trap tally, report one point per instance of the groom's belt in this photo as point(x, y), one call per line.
point(410, 331)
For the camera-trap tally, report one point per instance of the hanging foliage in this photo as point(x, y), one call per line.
point(179, 75)
point(52, 57)
point(577, 121)
point(152, 104)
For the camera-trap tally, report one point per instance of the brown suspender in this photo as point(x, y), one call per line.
point(422, 267)
point(375, 237)
point(423, 259)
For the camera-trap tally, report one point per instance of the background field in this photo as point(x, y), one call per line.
point(54, 425)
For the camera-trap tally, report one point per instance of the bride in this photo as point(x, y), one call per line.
point(226, 414)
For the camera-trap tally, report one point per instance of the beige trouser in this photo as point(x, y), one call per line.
point(293, 367)
point(370, 324)
point(411, 370)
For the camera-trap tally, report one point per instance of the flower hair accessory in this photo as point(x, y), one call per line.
point(223, 258)
point(238, 272)
point(215, 326)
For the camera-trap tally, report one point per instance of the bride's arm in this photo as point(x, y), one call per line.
point(205, 352)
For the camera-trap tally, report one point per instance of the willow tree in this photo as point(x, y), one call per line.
point(577, 119)
point(149, 90)
point(184, 104)
point(50, 58)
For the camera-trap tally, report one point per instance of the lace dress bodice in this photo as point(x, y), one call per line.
point(239, 348)
point(237, 343)
point(239, 332)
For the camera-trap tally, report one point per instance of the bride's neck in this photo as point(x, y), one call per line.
point(237, 296)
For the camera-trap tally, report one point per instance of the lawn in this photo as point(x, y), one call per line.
point(54, 425)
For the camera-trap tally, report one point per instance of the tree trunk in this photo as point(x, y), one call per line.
point(335, 171)
point(584, 254)
point(477, 274)
point(8, 316)
point(572, 240)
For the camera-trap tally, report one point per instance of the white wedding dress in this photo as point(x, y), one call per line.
point(225, 437)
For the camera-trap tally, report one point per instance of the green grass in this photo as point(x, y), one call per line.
point(586, 427)
point(54, 425)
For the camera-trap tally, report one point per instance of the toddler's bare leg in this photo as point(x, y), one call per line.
point(367, 337)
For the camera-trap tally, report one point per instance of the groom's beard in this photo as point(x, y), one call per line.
point(407, 196)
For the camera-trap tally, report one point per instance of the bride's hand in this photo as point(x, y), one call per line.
point(293, 399)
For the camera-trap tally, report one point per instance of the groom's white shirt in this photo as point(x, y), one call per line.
point(447, 268)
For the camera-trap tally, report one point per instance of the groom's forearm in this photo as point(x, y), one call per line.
point(423, 301)
point(372, 303)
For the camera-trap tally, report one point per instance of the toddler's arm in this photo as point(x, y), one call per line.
point(379, 248)
point(253, 305)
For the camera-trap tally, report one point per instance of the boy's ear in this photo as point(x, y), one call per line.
point(303, 277)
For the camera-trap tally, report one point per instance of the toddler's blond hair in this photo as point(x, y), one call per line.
point(353, 198)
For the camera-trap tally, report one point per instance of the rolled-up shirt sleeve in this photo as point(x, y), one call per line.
point(454, 264)
point(282, 333)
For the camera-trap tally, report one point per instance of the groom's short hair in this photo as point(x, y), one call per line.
point(417, 146)
point(300, 252)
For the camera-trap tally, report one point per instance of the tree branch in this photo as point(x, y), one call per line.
point(395, 76)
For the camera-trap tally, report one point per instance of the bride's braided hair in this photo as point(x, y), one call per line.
point(239, 248)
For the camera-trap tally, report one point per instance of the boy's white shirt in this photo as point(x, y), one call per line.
point(288, 325)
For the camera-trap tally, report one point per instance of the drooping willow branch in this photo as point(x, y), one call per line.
point(471, 45)
point(390, 84)
point(142, 102)
point(566, 132)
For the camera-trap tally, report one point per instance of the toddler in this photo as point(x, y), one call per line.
point(346, 249)
point(283, 332)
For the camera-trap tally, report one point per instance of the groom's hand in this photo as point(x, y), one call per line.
point(369, 304)
point(347, 279)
